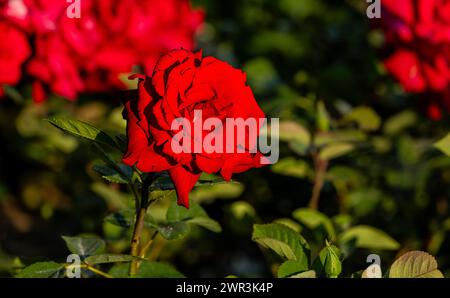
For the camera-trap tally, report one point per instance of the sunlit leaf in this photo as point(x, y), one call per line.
point(290, 268)
point(292, 167)
point(83, 130)
point(415, 264)
point(328, 262)
point(157, 270)
point(369, 237)
point(399, 122)
point(366, 118)
point(290, 223)
point(444, 144)
point(284, 241)
point(314, 219)
point(147, 269)
point(306, 274)
point(207, 223)
point(41, 270)
point(322, 117)
point(335, 150)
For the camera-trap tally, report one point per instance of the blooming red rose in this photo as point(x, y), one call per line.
point(12, 54)
point(418, 40)
point(90, 53)
point(182, 84)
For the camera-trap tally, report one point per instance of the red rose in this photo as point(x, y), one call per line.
point(13, 53)
point(182, 83)
point(90, 53)
point(418, 39)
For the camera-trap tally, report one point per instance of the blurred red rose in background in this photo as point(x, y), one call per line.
point(182, 84)
point(13, 52)
point(88, 54)
point(418, 39)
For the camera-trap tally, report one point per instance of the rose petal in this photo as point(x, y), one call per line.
point(184, 181)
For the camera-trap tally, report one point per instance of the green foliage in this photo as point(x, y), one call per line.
point(369, 237)
point(328, 262)
point(41, 270)
point(444, 144)
point(322, 118)
point(314, 219)
point(415, 264)
point(174, 230)
point(284, 241)
point(83, 130)
point(122, 175)
point(147, 269)
point(285, 238)
point(366, 118)
point(84, 246)
point(108, 258)
point(290, 268)
point(335, 150)
point(195, 215)
point(123, 218)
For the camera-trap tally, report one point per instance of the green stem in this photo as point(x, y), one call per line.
point(141, 208)
point(144, 249)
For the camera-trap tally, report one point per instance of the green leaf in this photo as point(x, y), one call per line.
point(179, 213)
point(149, 269)
point(291, 267)
point(400, 122)
point(41, 270)
point(121, 141)
point(209, 179)
point(242, 209)
point(314, 219)
point(209, 193)
point(120, 270)
point(306, 274)
point(444, 144)
point(322, 117)
point(283, 240)
point(335, 150)
point(112, 175)
point(162, 182)
point(174, 230)
point(290, 223)
point(366, 118)
point(125, 218)
point(415, 264)
point(329, 261)
point(194, 215)
point(109, 258)
point(293, 131)
point(114, 198)
point(261, 74)
point(83, 130)
point(369, 237)
point(207, 223)
point(341, 136)
point(292, 167)
point(84, 246)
